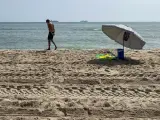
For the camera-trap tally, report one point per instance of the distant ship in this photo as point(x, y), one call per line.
point(83, 21)
point(55, 21)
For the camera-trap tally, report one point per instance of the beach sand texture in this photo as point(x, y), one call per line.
point(73, 85)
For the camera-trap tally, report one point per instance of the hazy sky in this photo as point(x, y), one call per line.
point(76, 10)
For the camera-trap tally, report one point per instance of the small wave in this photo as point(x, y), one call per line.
point(87, 29)
point(96, 29)
point(20, 29)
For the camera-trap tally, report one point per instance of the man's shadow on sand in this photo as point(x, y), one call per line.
point(126, 61)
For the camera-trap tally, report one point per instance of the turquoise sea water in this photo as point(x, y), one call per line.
point(71, 35)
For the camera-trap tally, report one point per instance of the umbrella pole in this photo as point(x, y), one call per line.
point(123, 45)
point(123, 48)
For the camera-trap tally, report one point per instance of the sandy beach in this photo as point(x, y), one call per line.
point(74, 85)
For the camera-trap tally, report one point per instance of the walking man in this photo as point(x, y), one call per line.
point(50, 34)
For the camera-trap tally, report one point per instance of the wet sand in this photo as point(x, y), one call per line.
point(74, 85)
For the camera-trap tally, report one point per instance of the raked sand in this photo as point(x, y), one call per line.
point(73, 85)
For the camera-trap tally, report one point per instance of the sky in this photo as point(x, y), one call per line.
point(77, 10)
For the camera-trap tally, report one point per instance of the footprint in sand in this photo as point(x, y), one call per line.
point(111, 72)
point(61, 79)
point(108, 71)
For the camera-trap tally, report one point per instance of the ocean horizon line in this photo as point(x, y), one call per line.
point(88, 22)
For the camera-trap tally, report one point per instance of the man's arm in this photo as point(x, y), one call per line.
point(53, 27)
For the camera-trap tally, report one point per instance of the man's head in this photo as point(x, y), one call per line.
point(47, 21)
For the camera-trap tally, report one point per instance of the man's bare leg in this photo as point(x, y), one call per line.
point(54, 44)
point(49, 45)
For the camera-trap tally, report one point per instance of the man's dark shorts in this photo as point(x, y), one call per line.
point(51, 35)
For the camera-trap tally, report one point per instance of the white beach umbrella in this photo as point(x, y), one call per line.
point(124, 35)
